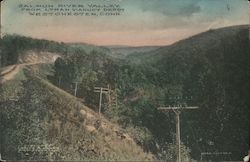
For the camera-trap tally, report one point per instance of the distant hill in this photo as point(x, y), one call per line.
point(192, 45)
point(89, 47)
point(203, 41)
point(124, 51)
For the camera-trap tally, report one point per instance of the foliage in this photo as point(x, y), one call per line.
point(43, 114)
point(12, 46)
point(209, 70)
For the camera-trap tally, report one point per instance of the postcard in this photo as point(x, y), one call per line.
point(124, 80)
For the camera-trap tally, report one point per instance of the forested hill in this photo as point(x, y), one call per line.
point(209, 70)
point(194, 45)
point(213, 69)
point(13, 46)
point(40, 121)
point(126, 51)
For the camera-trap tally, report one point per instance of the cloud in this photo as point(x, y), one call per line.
point(190, 9)
point(174, 8)
point(156, 21)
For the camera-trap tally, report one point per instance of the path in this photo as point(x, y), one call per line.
point(12, 71)
point(29, 58)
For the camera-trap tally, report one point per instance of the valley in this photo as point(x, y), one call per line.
point(38, 106)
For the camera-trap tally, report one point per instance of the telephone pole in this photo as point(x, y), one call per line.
point(76, 86)
point(177, 110)
point(59, 81)
point(101, 90)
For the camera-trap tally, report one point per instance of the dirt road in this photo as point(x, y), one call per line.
point(29, 58)
point(12, 71)
point(9, 73)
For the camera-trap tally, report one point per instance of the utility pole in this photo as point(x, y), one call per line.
point(101, 90)
point(177, 110)
point(59, 81)
point(76, 86)
point(109, 94)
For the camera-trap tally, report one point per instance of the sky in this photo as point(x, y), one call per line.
point(143, 22)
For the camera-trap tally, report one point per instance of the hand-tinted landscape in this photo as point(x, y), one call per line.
point(41, 105)
point(158, 80)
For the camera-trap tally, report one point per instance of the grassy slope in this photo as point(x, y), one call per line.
point(34, 111)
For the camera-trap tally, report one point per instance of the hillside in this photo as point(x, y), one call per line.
point(126, 51)
point(209, 70)
point(89, 47)
point(26, 58)
point(13, 47)
point(196, 44)
point(35, 112)
point(213, 38)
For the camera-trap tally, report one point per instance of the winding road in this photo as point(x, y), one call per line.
point(11, 71)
